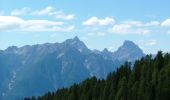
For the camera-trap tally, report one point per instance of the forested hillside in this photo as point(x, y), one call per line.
point(148, 80)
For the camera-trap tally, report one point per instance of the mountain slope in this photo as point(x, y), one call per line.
point(37, 69)
point(148, 80)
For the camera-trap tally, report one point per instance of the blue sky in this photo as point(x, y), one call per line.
point(99, 23)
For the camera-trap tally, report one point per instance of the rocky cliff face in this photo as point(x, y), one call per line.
point(37, 69)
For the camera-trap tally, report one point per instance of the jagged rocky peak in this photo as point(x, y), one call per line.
point(129, 46)
point(76, 38)
point(105, 50)
point(128, 43)
point(96, 51)
point(78, 44)
point(73, 40)
point(11, 49)
point(129, 51)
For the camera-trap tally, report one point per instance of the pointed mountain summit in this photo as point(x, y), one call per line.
point(129, 51)
point(129, 44)
point(73, 40)
point(78, 44)
point(76, 38)
point(107, 54)
point(105, 50)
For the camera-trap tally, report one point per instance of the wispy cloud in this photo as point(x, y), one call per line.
point(152, 42)
point(48, 11)
point(96, 34)
point(93, 21)
point(20, 12)
point(11, 23)
point(166, 23)
point(53, 12)
point(134, 27)
point(124, 29)
point(141, 24)
point(168, 32)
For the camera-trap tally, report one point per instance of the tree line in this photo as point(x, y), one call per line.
point(148, 79)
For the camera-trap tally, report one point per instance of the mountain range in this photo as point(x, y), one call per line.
point(37, 69)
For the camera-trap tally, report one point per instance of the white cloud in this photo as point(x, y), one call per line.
point(53, 12)
point(132, 23)
point(166, 23)
point(125, 29)
point(66, 17)
point(11, 23)
point(20, 12)
point(151, 42)
point(96, 34)
point(133, 27)
point(168, 32)
point(122, 27)
point(91, 34)
point(141, 24)
point(93, 21)
point(47, 11)
point(152, 23)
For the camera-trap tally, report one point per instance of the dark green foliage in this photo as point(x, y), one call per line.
point(148, 80)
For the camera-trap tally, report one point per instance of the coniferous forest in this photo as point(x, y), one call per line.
point(148, 79)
